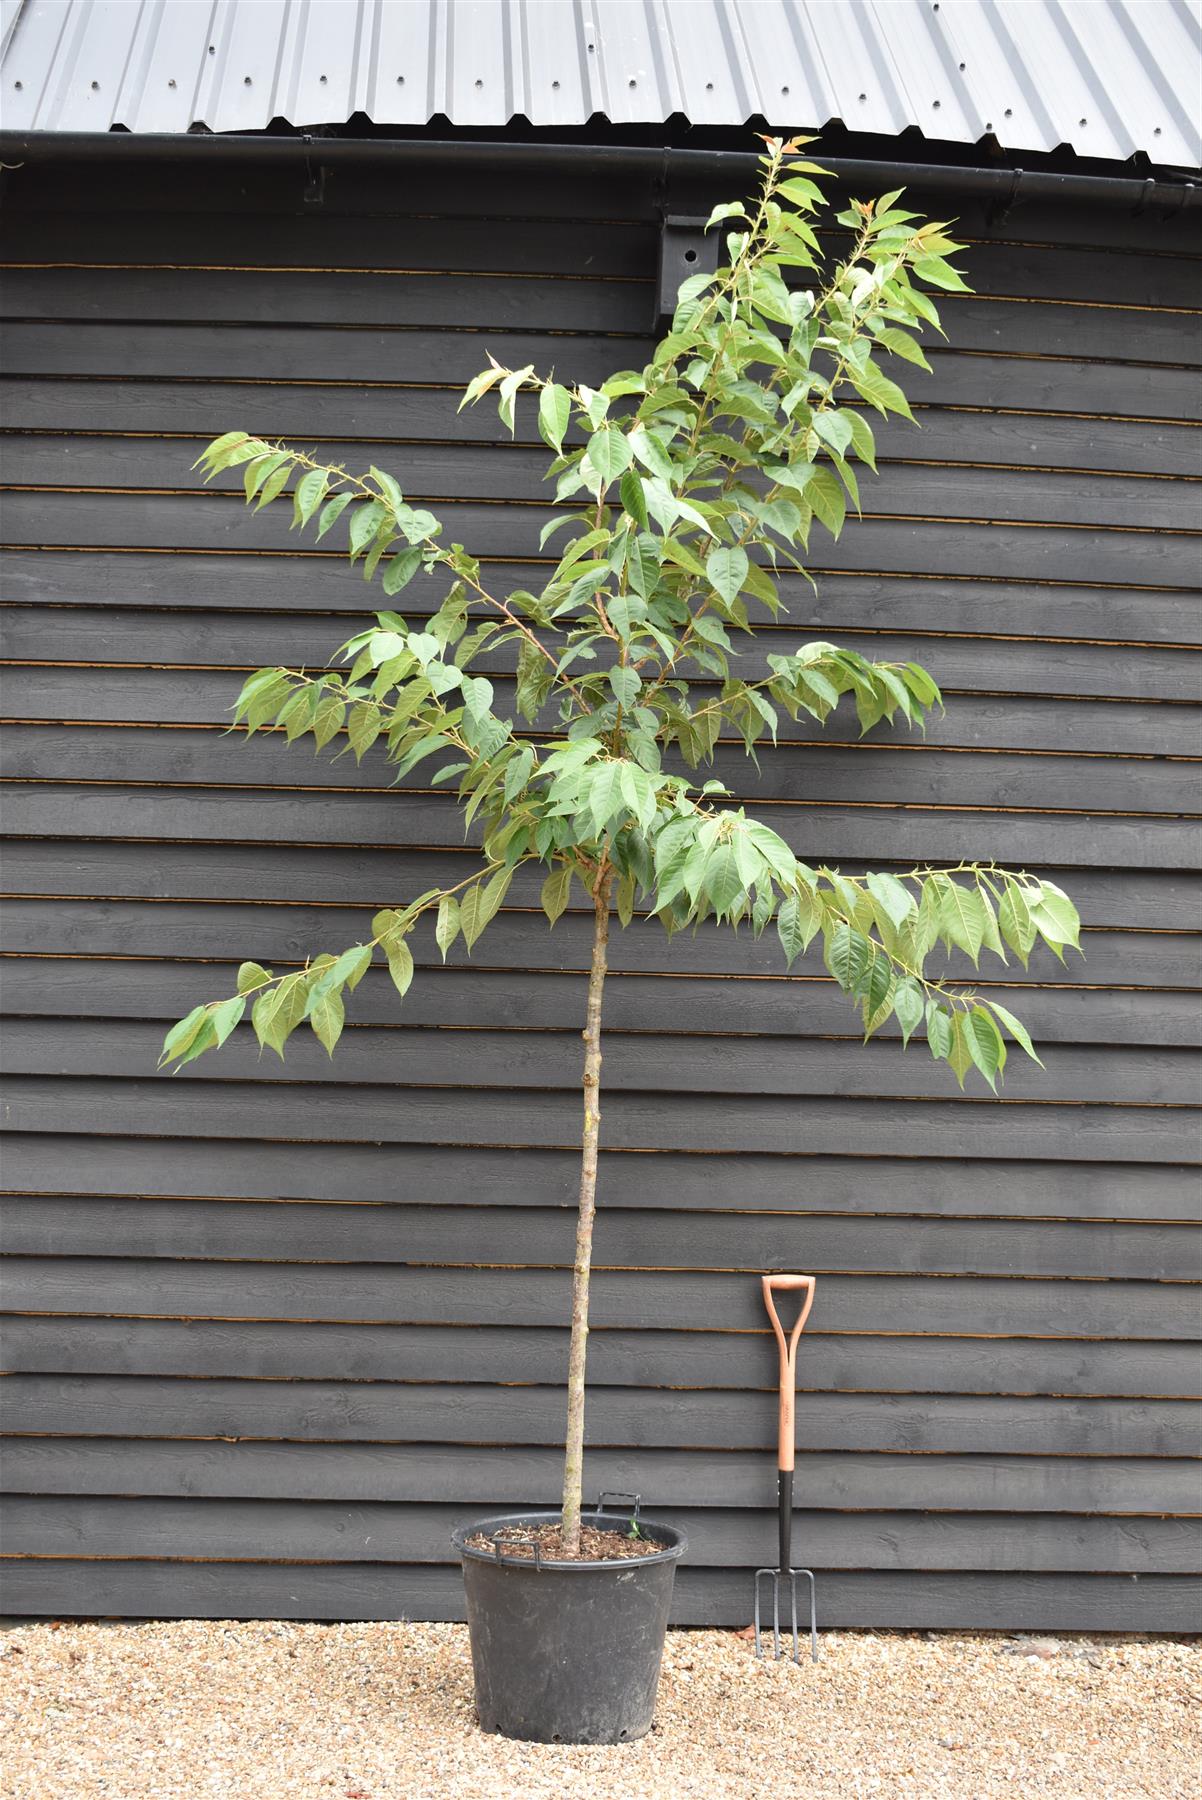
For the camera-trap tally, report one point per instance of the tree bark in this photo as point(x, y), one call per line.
point(573, 1468)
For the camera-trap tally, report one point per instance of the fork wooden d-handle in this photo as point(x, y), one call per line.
point(787, 1347)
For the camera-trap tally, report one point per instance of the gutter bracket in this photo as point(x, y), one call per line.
point(997, 214)
point(315, 179)
point(685, 248)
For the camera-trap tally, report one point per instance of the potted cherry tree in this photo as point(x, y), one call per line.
point(684, 489)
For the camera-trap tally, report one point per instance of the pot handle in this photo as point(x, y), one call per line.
point(617, 1494)
point(509, 1535)
point(804, 1284)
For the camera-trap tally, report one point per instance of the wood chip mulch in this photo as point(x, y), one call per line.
point(595, 1546)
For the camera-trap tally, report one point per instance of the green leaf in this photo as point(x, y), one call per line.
point(847, 953)
point(326, 1017)
point(365, 524)
point(182, 1034)
point(726, 571)
point(1016, 1028)
point(896, 901)
point(651, 453)
point(625, 900)
point(363, 727)
point(862, 440)
point(1017, 925)
point(470, 921)
point(554, 414)
point(908, 1006)
point(835, 429)
point(251, 975)
point(730, 209)
point(446, 926)
point(1056, 917)
point(825, 495)
point(984, 1043)
point(605, 794)
point(310, 491)
point(630, 490)
point(940, 274)
point(401, 570)
point(348, 969)
point(388, 486)
point(626, 684)
point(327, 721)
point(332, 511)
point(205, 1039)
point(875, 985)
point(959, 1055)
point(609, 453)
point(961, 916)
point(900, 343)
point(400, 964)
point(555, 891)
point(939, 1030)
point(278, 1012)
point(721, 878)
point(257, 471)
point(796, 922)
point(879, 391)
point(643, 560)
point(638, 791)
point(226, 1016)
point(480, 384)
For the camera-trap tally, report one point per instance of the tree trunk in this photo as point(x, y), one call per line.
point(573, 1468)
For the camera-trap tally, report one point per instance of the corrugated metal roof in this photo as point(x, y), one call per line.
point(1107, 77)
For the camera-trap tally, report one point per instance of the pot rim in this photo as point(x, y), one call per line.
point(670, 1551)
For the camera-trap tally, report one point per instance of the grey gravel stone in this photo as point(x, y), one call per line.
point(198, 1710)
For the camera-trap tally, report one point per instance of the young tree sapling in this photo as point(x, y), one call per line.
point(687, 487)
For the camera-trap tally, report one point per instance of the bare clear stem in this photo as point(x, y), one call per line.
point(573, 1468)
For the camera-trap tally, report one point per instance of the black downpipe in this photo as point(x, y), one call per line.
point(1001, 186)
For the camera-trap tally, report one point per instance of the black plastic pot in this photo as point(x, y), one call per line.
point(567, 1653)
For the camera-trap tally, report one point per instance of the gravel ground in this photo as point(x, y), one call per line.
point(384, 1712)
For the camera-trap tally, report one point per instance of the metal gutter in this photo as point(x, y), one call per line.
point(1004, 187)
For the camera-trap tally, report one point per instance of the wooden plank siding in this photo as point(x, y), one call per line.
point(272, 1329)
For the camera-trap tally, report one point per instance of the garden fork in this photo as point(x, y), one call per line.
point(804, 1284)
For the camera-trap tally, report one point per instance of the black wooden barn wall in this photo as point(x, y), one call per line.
point(274, 1329)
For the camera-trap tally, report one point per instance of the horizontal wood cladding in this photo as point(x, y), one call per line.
point(184, 413)
point(507, 1475)
point(461, 472)
point(952, 544)
point(630, 1299)
point(813, 828)
point(82, 987)
point(854, 773)
point(411, 1056)
point(106, 1406)
point(51, 1345)
point(118, 875)
point(376, 310)
point(1035, 699)
point(310, 1112)
point(315, 1531)
point(840, 1184)
point(1069, 379)
point(324, 242)
point(273, 1328)
point(728, 1237)
point(875, 1598)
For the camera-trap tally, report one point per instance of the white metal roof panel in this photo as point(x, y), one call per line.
point(1106, 77)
